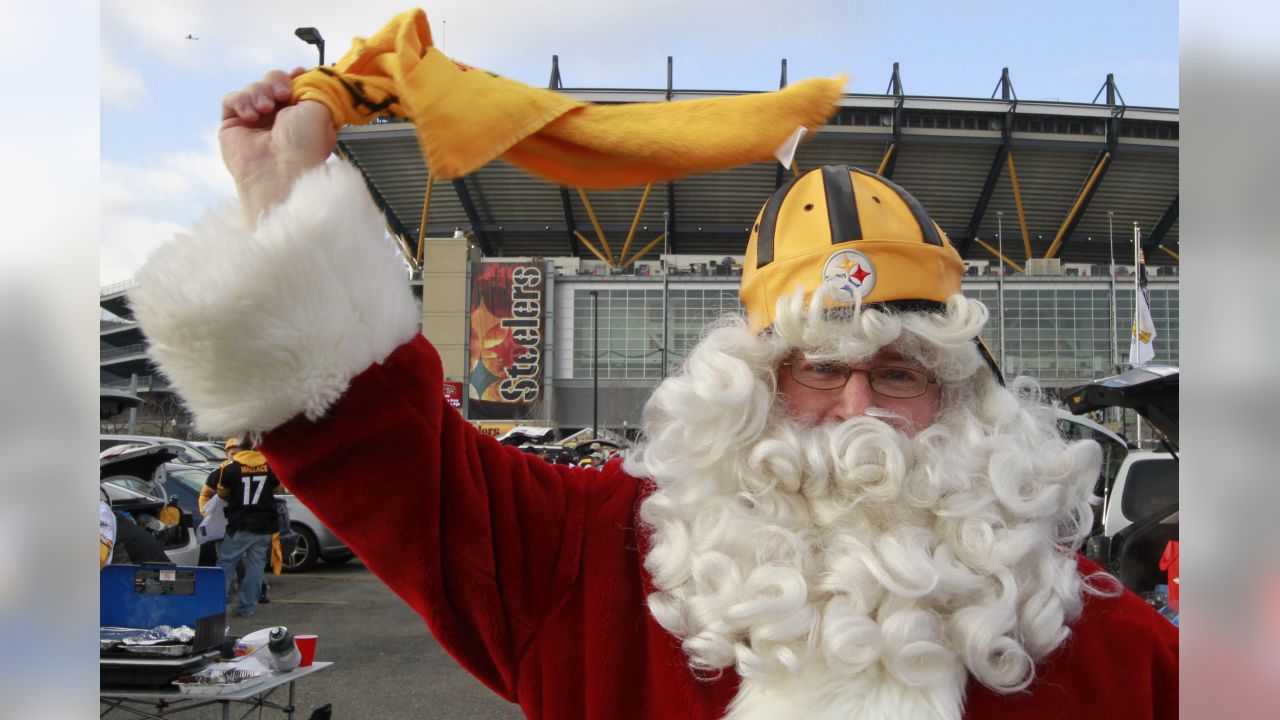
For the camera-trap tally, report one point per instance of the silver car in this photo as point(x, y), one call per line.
point(187, 453)
point(315, 541)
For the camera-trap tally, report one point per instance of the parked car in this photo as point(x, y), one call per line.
point(134, 481)
point(213, 450)
point(187, 453)
point(1140, 510)
point(1114, 451)
point(310, 540)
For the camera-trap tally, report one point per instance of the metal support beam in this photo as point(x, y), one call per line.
point(404, 248)
point(1117, 111)
point(570, 225)
point(1081, 204)
point(397, 228)
point(643, 251)
point(1017, 203)
point(887, 160)
point(426, 210)
point(626, 245)
point(555, 83)
point(671, 217)
point(891, 157)
point(1156, 238)
point(997, 253)
point(1005, 88)
point(593, 249)
point(473, 216)
point(782, 83)
point(595, 223)
point(984, 198)
point(671, 184)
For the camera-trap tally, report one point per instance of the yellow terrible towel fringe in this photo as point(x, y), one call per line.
point(465, 117)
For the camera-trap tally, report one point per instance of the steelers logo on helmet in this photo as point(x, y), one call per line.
point(848, 275)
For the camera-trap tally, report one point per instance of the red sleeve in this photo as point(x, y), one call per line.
point(481, 540)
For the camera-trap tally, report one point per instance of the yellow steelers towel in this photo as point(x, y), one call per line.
point(465, 116)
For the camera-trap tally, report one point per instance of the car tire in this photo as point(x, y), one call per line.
point(305, 553)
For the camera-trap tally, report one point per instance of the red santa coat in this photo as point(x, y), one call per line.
point(531, 574)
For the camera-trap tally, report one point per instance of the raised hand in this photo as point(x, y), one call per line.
point(267, 143)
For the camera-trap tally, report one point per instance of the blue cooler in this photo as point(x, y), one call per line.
point(145, 596)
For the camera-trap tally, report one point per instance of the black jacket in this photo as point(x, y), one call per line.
point(247, 485)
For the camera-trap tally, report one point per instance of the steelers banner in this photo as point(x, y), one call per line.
point(505, 373)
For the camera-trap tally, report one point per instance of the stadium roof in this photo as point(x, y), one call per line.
point(1079, 171)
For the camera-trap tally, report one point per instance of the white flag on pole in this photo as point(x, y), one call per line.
point(1141, 350)
point(786, 152)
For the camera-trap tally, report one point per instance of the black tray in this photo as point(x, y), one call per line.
point(146, 672)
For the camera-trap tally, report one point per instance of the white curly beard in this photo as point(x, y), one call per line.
point(846, 570)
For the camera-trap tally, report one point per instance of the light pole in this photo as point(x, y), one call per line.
point(1111, 253)
point(1000, 281)
point(595, 366)
point(311, 36)
point(666, 286)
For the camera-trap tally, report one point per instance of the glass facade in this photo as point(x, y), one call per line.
point(1059, 334)
point(630, 328)
point(1063, 336)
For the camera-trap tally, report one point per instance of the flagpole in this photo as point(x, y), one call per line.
point(1137, 304)
point(1137, 270)
point(1115, 319)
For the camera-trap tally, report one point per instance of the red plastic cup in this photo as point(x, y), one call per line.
point(307, 647)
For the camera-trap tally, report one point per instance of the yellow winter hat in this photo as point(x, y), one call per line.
point(854, 233)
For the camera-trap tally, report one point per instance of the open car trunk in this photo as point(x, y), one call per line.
point(1133, 553)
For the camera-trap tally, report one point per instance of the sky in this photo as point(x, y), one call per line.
point(160, 91)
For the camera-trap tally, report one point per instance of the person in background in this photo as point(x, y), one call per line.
point(209, 550)
point(247, 485)
point(106, 529)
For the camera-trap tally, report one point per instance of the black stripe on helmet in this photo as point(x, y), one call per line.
point(927, 228)
point(769, 223)
point(842, 209)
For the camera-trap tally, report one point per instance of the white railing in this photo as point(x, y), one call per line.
point(135, 349)
point(114, 288)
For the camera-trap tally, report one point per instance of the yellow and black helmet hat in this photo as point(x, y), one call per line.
point(858, 236)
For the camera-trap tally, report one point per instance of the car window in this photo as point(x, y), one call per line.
point(1151, 485)
point(188, 454)
point(1113, 453)
point(131, 483)
point(210, 451)
point(192, 479)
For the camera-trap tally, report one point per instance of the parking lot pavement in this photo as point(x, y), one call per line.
point(387, 665)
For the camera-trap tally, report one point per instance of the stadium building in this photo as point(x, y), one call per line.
point(551, 305)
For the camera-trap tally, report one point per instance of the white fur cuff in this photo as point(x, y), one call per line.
point(253, 328)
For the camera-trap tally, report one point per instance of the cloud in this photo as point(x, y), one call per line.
point(122, 86)
point(146, 201)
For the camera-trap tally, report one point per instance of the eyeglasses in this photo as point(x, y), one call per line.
point(887, 380)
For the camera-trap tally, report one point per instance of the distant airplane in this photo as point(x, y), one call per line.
point(191, 37)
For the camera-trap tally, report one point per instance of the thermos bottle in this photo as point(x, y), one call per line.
point(284, 651)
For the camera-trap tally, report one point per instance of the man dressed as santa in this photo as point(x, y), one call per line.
point(839, 509)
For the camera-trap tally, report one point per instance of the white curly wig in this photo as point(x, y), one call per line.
point(846, 569)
